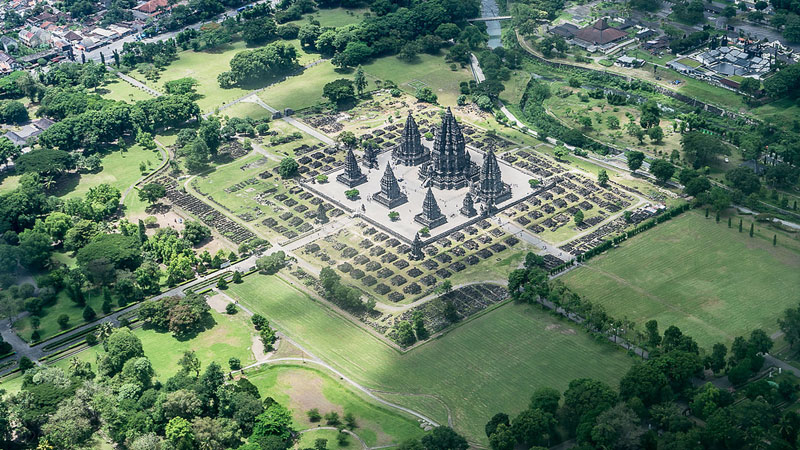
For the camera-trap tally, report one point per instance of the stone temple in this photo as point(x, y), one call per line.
point(390, 195)
point(352, 175)
point(450, 166)
point(431, 216)
point(441, 183)
point(410, 151)
point(490, 189)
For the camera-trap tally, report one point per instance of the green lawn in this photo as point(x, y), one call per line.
point(487, 365)
point(303, 388)
point(122, 91)
point(205, 67)
point(48, 322)
point(9, 183)
point(428, 70)
point(246, 109)
point(119, 169)
point(713, 282)
point(302, 90)
point(334, 17)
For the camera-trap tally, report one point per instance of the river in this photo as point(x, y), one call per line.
point(489, 8)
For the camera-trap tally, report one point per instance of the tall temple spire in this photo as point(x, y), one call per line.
point(431, 216)
point(416, 248)
point(410, 151)
point(490, 187)
point(450, 166)
point(390, 195)
point(352, 175)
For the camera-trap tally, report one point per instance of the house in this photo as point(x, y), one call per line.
point(152, 6)
point(9, 44)
point(28, 133)
point(598, 34)
point(645, 34)
point(42, 18)
point(72, 36)
point(7, 63)
point(627, 61)
point(565, 30)
point(35, 37)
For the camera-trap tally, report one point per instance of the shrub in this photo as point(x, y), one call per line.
point(235, 363)
point(230, 308)
point(314, 415)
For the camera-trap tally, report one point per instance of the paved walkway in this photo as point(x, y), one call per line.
point(296, 123)
point(136, 83)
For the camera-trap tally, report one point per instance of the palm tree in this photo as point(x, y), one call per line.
point(103, 332)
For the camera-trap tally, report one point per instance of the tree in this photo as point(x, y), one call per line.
point(618, 428)
point(635, 159)
point(662, 170)
point(181, 86)
point(533, 427)
point(546, 399)
point(497, 420)
point(189, 362)
point(650, 115)
point(743, 179)
point(152, 192)
point(237, 277)
point(121, 346)
point(716, 361)
point(602, 178)
point(195, 232)
point(275, 421)
point(560, 152)
point(578, 217)
point(700, 148)
point(656, 134)
point(8, 150)
point(271, 263)
point(34, 248)
point(444, 438)
point(63, 321)
point(258, 30)
point(288, 167)
point(360, 80)
point(45, 162)
point(88, 314)
point(179, 433)
point(13, 112)
point(339, 91)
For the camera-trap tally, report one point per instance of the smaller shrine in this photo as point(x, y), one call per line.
point(390, 195)
point(431, 216)
point(352, 175)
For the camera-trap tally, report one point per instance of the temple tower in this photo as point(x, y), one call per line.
point(390, 195)
point(490, 187)
point(352, 175)
point(468, 208)
point(371, 156)
point(410, 151)
point(431, 216)
point(450, 166)
point(416, 248)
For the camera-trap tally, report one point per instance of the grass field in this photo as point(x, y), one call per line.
point(246, 109)
point(713, 282)
point(303, 90)
point(119, 169)
point(334, 17)
point(302, 388)
point(205, 67)
point(428, 70)
point(48, 322)
point(489, 364)
point(123, 91)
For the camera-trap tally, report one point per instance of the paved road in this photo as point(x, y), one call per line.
point(37, 352)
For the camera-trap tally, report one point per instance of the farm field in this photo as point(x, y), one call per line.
point(301, 388)
point(489, 365)
point(711, 281)
point(120, 169)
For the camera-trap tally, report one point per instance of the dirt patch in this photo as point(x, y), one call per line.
point(305, 390)
point(568, 331)
point(551, 327)
point(258, 349)
point(217, 302)
point(171, 218)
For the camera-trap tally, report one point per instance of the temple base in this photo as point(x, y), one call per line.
point(351, 182)
point(431, 224)
point(390, 203)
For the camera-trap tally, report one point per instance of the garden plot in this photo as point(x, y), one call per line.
point(251, 189)
point(380, 264)
point(550, 213)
